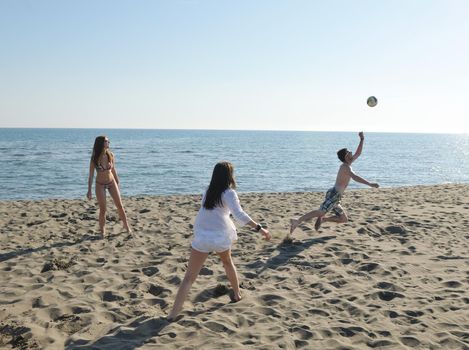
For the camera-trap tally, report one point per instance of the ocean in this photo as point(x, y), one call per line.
point(54, 163)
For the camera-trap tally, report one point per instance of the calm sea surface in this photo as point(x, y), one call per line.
point(54, 163)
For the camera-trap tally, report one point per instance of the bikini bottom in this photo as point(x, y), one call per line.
point(107, 185)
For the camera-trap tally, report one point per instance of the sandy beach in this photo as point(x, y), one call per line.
point(396, 276)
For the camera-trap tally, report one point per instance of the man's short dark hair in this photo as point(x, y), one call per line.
point(342, 153)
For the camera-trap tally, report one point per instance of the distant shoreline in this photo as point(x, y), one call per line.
point(241, 193)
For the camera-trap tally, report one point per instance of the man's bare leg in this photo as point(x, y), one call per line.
point(294, 223)
point(318, 222)
point(342, 218)
point(337, 219)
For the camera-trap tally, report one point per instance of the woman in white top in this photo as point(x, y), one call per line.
point(214, 231)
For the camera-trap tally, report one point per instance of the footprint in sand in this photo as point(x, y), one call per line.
point(218, 327)
point(346, 261)
point(249, 275)
point(247, 285)
point(319, 312)
point(352, 331)
point(452, 284)
point(410, 341)
point(18, 336)
point(205, 271)
point(158, 291)
point(368, 267)
point(412, 313)
point(339, 283)
point(150, 271)
point(303, 332)
point(271, 299)
point(388, 296)
point(175, 280)
point(110, 296)
point(380, 343)
point(69, 324)
point(388, 286)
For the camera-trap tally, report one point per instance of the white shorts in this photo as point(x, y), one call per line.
point(207, 242)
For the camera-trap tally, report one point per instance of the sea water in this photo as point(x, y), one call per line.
point(54, 163)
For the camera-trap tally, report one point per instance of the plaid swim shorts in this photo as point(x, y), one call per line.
point(332, 202)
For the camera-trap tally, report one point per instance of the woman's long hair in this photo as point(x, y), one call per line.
point(99, 150)
point(222, 179)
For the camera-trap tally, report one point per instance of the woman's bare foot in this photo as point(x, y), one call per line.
point(318, 223)
point(170, 318)
point(293, 225)
point(235, 297)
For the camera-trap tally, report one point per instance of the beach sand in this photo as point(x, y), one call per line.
point(396, 276)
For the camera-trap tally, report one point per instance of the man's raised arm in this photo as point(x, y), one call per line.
point(360, 147)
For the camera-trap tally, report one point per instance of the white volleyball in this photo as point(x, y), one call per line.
point(372, 101)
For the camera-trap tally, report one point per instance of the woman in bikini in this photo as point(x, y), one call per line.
point(215, 232)
point(102, 160)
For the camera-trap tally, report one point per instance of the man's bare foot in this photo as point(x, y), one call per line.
point(318, 223)
point(293, 225)
point(102, 234)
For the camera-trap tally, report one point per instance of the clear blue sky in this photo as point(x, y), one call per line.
point(261, 64)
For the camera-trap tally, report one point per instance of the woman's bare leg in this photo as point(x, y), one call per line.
point(231, 273)
point(196, 261)
point(116, 197)
point(101, 197)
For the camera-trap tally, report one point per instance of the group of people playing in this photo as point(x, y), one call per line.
point(214, 231)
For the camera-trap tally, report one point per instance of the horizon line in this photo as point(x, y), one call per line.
point(257, 130)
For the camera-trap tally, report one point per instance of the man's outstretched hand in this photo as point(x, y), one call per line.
point(361, 135)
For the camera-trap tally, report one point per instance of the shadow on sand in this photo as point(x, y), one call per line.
point(124, 337)
point(86, 237)
point(20, 252)
point(287, 251)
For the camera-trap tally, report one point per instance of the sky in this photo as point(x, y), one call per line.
point(245, 64)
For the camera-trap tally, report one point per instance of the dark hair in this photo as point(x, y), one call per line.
point(342, 153)
point(222, 179)
point(99, 150)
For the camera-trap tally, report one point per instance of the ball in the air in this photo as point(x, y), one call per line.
point(372, 101)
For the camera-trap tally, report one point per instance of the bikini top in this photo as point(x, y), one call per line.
point(100, 167)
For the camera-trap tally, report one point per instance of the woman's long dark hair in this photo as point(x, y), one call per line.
point(98, 150)
point(222, 179)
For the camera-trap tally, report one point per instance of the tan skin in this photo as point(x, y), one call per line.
point(197, 258)
point(196, 262)
point(344, 175)
point(106, 179)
